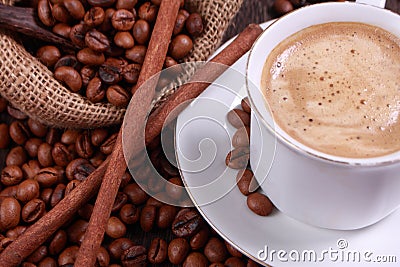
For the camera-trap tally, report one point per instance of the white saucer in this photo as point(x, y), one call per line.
point(202, 142)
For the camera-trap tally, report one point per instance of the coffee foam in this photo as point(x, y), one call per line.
point(335, 87)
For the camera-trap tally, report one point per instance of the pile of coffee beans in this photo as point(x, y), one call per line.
point(41, 165)
point(113, 36)
point(239, 157)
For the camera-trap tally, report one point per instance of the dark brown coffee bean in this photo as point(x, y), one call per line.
point(180, 46)
point(135, 194)
point(241, 137)
point(136, 53)
point(62, 29)
point(167, 169)
point(126, 4)
point(174, 188)
point(134, 256)
point(244, 181)
point(148, 12)
point(11, 175)
point(16, 156)
point(102, 258)
point(61, 155)
point(76, 231)
point(67, 61)
point(98, 136)
point(32, 146)
point(238, 118)
point(16, 113)
point(106, 26)
point(108, 145)
point(124, 40)
point(141, 31)
point(68, 256)
point(48, 262)
point(123, 20)
point(83, 145)
point(95, 90)
point(238, 158)
point(200, 239)
point(27, 190)
point(39, 254)
point(118, 96)
point(156, 2)
point(45, 195)
point(94, 17)
point(70, 77)
point(69, 136)
point(78, 33)
point(131, 73)
point(232, 250)
point(48, 55)
point(215, 250)
point(97, 159)
point(148, 217)
point(234, 262)
point(79, 169)
point(75, 8)
point(31, 169)
point(110, 74)
point(61, 14)
point(180, 21)
point(157, 251)
point(10, 213)
point(4, 135)
point(33, 210)
point(246, 105)
point(118, 246)
point(187, 222)
point(102, 3)
point(166, 215)
point(97, 41)
point(115, 228)
point(71, 186)
point(169, 62)
point(125, 180)
point(178, 249)
point(194, 24)
point(44, 155)
point(58, 195)
point(10, 191)
point(195, 259)
point(259, 204)
point(282, 6)
point(19, 133)
point(88, 72)
point(120, 200)
point(16, 231)
point(44, 13)
point(129, 214)
point(88, 56)
point(58, 242)
point(37, 128)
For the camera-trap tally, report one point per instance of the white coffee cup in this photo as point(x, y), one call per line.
point(313, 187)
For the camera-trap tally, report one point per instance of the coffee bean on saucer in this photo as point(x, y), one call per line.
point(241, 137)
point(246, 105)
point(238, 118)
point(282, 6)
point(238, 158)
point(244, 181)
point(259, 204)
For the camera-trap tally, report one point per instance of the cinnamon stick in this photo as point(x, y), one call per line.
point(153, 63)
point(209, 72)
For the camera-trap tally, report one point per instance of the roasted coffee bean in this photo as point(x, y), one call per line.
point(148, 12)
point(148, 217)
point(245, 104)
point(58, 195)
point(215, 250)
point(75, 8)
point(16, 156)
point(33, 210)
point(98, 136)
point(44, 13)
point(123, 20)
point(157, 251)
point(117, 96)
point(69, 136)
point(111, 71)
point(67, 61)
point(106, 26)
point(241, 137)
point(68, 256)
point(19, 133)
point(238, 158)
point(47, 177)
point(79, 169)
point(178, 249)
point(259, 204)
point(94, 17)
point(126, 4)
point(16, 231)
point(61, 155)
point(118, 246)
point(124, 40)
point(11, 175)
point(44, 155)
point(5, 242)
point(97, 41)
point(180, 21)
point(195, 259)
point(282, 6)
point(245, 182)
point(166, 215)
point(125, 180)
point(95, 91)
point(97, 159)
point(180, 46)
point(58, 242)
point(187, 222)
point(141, 31)
point(135, 193)
point(27, 190)
point(70, 77)
point(131, 73)
point(78, 33)
point(48, 262)
point(32, 146)
point(45, 195)
point(61, 14)
point(83, 145)
point(108, 145)
point(88, 56)
point(102, 258)
point(16, 113)
point(238, 118)
point(87, 72)
point(48, 55)
point(200, 239)
point(9, 191)
point(76, 231)
point(115, 228)
point(53, 136)
point(71, 186)
point(174, 188)
point(31, 169)
point(62, 29)
point(136, 53)
point(120, 200)
point(234, 262)
point(129, 214)
point(37, 128)
point(232, 250)
point(10, 213)
point(102, 3)
point(194, 24)
point(39, 254)
point(169, 62)
point(4, 135)
point(134, 256)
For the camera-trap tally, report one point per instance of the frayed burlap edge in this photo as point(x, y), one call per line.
point(29, 86)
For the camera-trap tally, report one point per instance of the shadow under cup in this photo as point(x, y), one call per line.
point(317, 188)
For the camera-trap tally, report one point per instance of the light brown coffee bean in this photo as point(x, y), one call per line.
point(180, 46)
point(97, 41)
point(238, 118)
point(244, 181)
point(115, 228)
point(71, 186)
point(238, 158)
point(70, 77)
point(16, 156)
point(9, 191)
point(62, 29)
point(259, 204)
point(10, 213)
point(88, 56)
point(195, 259)
point(241, 137)
point(117, 96)
point(44, 155)
point(148, 12)
point(123, 20)
point(178, 249)
point(11, 175)
point(33, 210)
point(69, 136)
point(48, 55)
point(27, 190)
point(47, 177)
point(44, 13)
point(136, 53)
point(194, 24)
point(157, 251)
point(215, 250)
point(141, 31)
point(124, 40)
point(95, 91)
point(19, 133)
point(94, 17)
point(75, 8)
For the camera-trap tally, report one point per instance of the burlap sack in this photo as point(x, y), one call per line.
point(29, 86)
